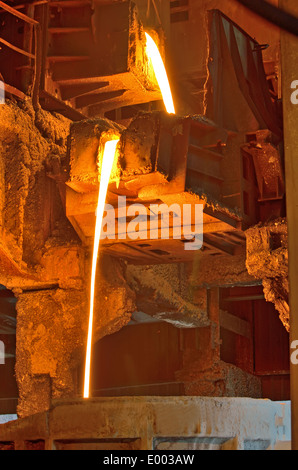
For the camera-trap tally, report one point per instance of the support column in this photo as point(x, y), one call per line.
point(289, 57)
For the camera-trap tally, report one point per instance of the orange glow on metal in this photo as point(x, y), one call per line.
point(107, 164)
point(160, 74)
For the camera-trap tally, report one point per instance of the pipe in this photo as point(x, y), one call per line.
point(275, 15)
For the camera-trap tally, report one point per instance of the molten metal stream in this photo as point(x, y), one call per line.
point(107, 164)
point(160, 74)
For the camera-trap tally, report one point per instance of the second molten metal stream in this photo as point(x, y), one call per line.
point(160, 73)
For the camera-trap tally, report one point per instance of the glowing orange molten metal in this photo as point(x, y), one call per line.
point(160, 74)
point(107, 164)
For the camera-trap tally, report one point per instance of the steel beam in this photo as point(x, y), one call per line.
point(289, 56)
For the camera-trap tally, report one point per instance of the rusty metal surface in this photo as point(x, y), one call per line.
point(164, 160)
point(238, 94)
point(20, 62)
point(268, 166)
point(66, 52)
point(95, 57)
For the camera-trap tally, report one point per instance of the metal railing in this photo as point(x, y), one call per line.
point(36, 55)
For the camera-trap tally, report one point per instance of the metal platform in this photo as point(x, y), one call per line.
point(153, 423)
